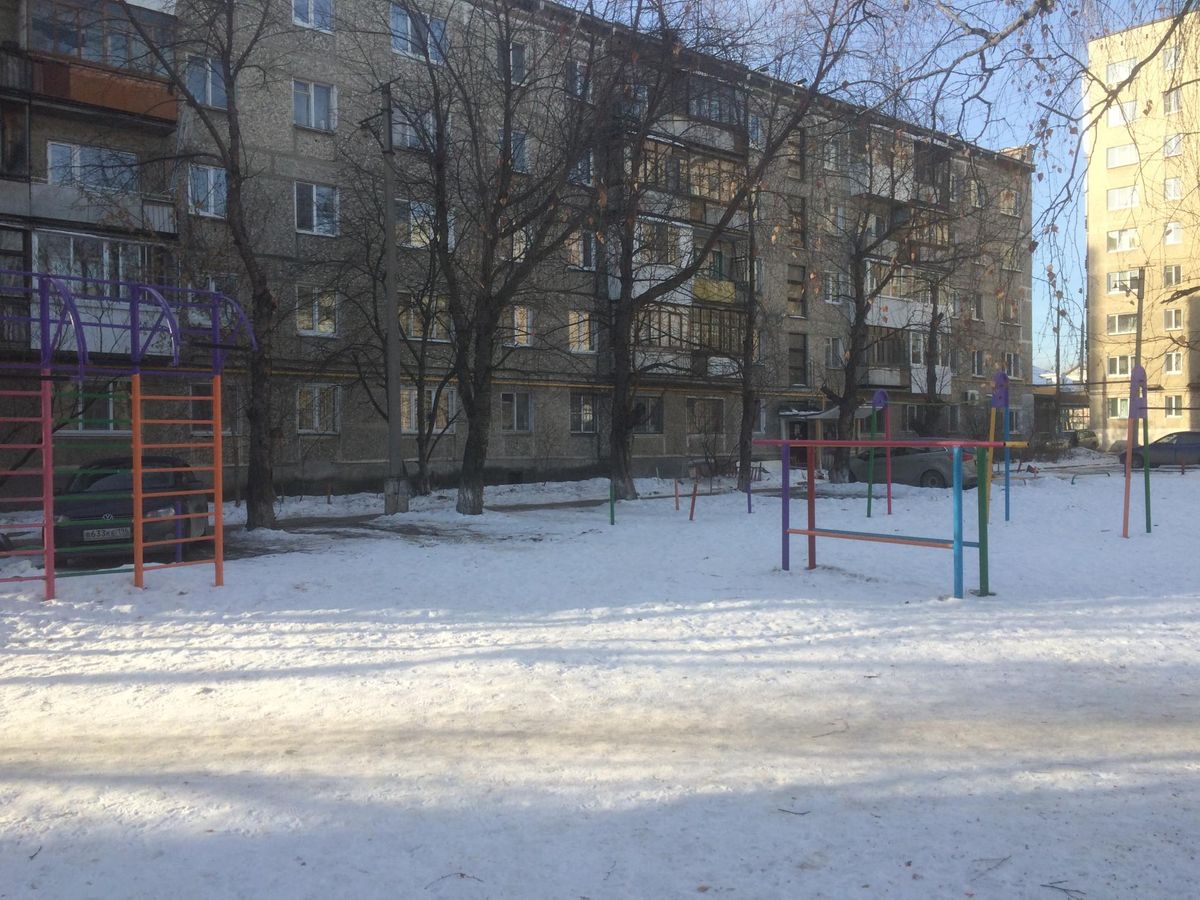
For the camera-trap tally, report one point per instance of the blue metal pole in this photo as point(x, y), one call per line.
point(1007, 463)
point(786, 497)
point(958, 524)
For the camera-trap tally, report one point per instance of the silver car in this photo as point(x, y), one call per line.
point(921, 466)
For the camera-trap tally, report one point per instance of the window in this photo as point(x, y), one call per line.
point(1123, 281)
point(1170, 57)
point(314, 105)
point(835, 356)
point(93, 406)
point(1172, 101)
point(797, 358)
point(1173, 233)
point(1173, 145)
point(1118, 366)
point(977, 306)
point(1010, 202)
point(1121, 114)
point(514, 151)
point(797, 159)
point(581, 250)
point(798, 224)
point(317, 408)
point(647, 414)
point(977, 364)
point(705, 415)
point(1122, 198)
point(1174, 406)
point(414, 35)
point(205, 82)
point(1173, 319)
point(1123, 155)
point(99, 33)
point(1172, 275)
point(836, 156)
point(95, 168)
point(658, 245)
point(1173, 363)
point(316, 311)
point(521, 334)
point(1173, 189)
point(583, 413)
point(760, 416)
point(425, 321)
point(516, 411)
point(797, 291)
point(581, 171)
point(1124, 323)
point(1117, 72)
point(835, 286)
point(916, 348)
point(581, 332)
point(978, 193)
point(1123, 239)
point(316, 209)
point(1014, 421)
point(415, 225)
point(316, 14)
point(439, 416)
point(579, 80)
point(754, 132)
point(206, 191)
point(1014, 365)
point(664, 325)
point(1118, 407)
point(510, 60)
point(413, 131)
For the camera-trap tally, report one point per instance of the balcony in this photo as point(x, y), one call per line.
point(713, 290)
point(78, 83)
point(68, 203)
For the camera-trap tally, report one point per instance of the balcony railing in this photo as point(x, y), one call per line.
point(16, 71)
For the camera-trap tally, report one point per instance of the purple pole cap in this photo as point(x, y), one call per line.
point(1137, 393)
point(880, 400)
point(999, 391)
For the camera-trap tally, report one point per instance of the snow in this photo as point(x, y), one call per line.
point(533, 703)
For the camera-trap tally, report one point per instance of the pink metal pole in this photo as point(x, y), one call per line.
point(812, 505)
point(48, 479)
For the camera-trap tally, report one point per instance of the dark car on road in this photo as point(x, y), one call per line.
point(1180, 448)
point(922, 466)
point(94, 515)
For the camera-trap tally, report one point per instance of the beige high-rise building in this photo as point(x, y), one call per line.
point(1143, 220)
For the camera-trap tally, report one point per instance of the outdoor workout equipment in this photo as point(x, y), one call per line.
point(956, 543)
point(64, 325)
point(999, 404)
point(1138, 407)
point(880, 401)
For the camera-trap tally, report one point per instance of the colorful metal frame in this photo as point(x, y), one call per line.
point(159, 322)
point(956, 543)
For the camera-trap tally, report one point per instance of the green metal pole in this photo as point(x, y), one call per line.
point(871, 465)
point(612, 503)
point(980, 465)
point(1146, 466)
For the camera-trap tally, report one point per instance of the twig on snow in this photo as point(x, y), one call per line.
point(794, 812)
point(37, 851)
point(996, 862)
point(461, 875)
point(1072, 893)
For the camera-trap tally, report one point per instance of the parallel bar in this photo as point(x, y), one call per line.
point(177, 422)
point(192, 399)
point(176, 541)
point(178, 469)
point(175, 517)
point(139, 556)
point(175, 565)
point(48, 480)
point(775, 442)
point(814, 533)
point(177, 493)
point(188, 445)
point(4, 554)
point(958, 522)
point(20, 499)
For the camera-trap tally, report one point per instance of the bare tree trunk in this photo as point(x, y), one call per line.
point(931, 418)
point(620, 435)
point(260, 481)
point(475, 449)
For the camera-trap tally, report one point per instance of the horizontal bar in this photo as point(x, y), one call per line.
point(179, 469)
point(13, 579)
point(177, 518)
point(188, 397)
point(116, 520)
point(173, 541)
point(20, 446)
point(21, 499)
point(932, 543)
point(20, 418)
point(175, 565)
point(13, 473)
point(115, 570)
point(177, 421)
point(5, 553)
point(880, 445)
point(199, 445)
point(17, 526)
point(177, 493)
point(68, 551)
point(20, 393)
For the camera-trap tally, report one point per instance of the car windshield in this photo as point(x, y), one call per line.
point(103, 481)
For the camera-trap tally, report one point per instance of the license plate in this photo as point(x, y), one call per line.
point(106, 534)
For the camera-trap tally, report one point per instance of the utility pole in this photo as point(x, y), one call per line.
point(395, 487)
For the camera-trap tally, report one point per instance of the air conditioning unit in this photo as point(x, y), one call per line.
point(970, 396)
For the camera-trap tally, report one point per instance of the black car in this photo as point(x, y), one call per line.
point(1180, 448)
point(94, 515)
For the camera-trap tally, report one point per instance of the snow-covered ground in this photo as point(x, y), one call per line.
point(535, 704)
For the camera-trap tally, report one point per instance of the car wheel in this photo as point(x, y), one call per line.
point(1138, 462)
point(933, 479)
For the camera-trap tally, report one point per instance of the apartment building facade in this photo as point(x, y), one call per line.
point(106, 170)
point(1142, 216)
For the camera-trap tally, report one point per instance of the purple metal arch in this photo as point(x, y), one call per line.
point(880, 400)
point(70, 313)
point(999, 390)
point(1138, 399)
